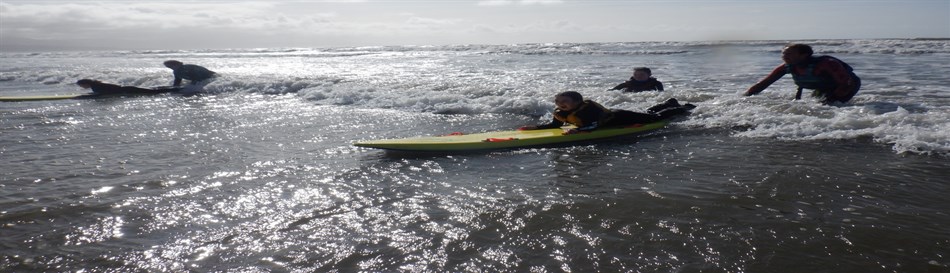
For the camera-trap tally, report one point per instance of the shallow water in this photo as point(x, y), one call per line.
point(259, 174)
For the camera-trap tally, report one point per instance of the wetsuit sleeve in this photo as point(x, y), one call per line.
point(659, 86)
point(620, 86)
point(776, 74)
point(838, 73)
point(553, 124)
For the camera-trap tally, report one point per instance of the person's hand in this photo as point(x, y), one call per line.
point(755, 89)
point(529, 127)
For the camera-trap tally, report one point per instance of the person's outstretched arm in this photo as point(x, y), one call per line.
point(776, 74)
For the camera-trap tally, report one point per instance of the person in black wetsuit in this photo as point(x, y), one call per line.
point(587, 115)
point(101, 88)
point(197, 75)
point(641, 80)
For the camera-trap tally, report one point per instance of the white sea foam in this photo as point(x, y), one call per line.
point(905, 100)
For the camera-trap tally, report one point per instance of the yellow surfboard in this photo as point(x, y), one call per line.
point(502, 139)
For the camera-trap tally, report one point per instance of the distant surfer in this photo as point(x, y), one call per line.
point(101, 88)
point(587, 115)
point(642, 80)
point(831, 79)
point(198, 76)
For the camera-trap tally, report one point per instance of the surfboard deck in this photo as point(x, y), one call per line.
point(502, 139)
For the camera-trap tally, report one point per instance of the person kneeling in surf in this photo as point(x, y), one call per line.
point(587, 115)
point(198, 75)
point(831, 79)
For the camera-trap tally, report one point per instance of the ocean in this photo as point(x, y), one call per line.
point(258, 173)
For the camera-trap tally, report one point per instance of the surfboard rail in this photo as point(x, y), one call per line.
point(502, 139)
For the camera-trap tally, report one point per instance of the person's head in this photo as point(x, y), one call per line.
point(173, 64)
point(796, 53)
point(567, 101)
point(86, 83)
point(641, 73)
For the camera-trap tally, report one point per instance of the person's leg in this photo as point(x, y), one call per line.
point(857, 86)
point(660, 107)
point(195, 87)
point(190, 89)
point(672, 112)
point(624, 117)
point(831, 98)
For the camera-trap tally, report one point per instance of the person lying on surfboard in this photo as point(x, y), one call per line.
point(101, 88)
point(587, 115)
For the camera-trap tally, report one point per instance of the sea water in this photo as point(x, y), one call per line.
point(258, 172)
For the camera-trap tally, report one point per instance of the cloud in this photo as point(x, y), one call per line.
point(431, 23)
point(517, 2)
point(542, 2)
point(179, 24)
point(112, 15)
point(141, 24)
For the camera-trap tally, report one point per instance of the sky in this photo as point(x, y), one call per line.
point(35, 25)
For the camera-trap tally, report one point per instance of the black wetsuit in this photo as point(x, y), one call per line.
point(633, 85)
point(193, 73)
point(99, 88)
point(591, 115)
point(108, 89)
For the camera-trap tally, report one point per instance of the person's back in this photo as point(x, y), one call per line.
point(193, 72)
point(825, 75)
point(588, 113)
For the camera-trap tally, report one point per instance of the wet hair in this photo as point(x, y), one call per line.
point(172, 62)
point(644, 69)
point(87, 82)
point(801, 48)
point(572, 95)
